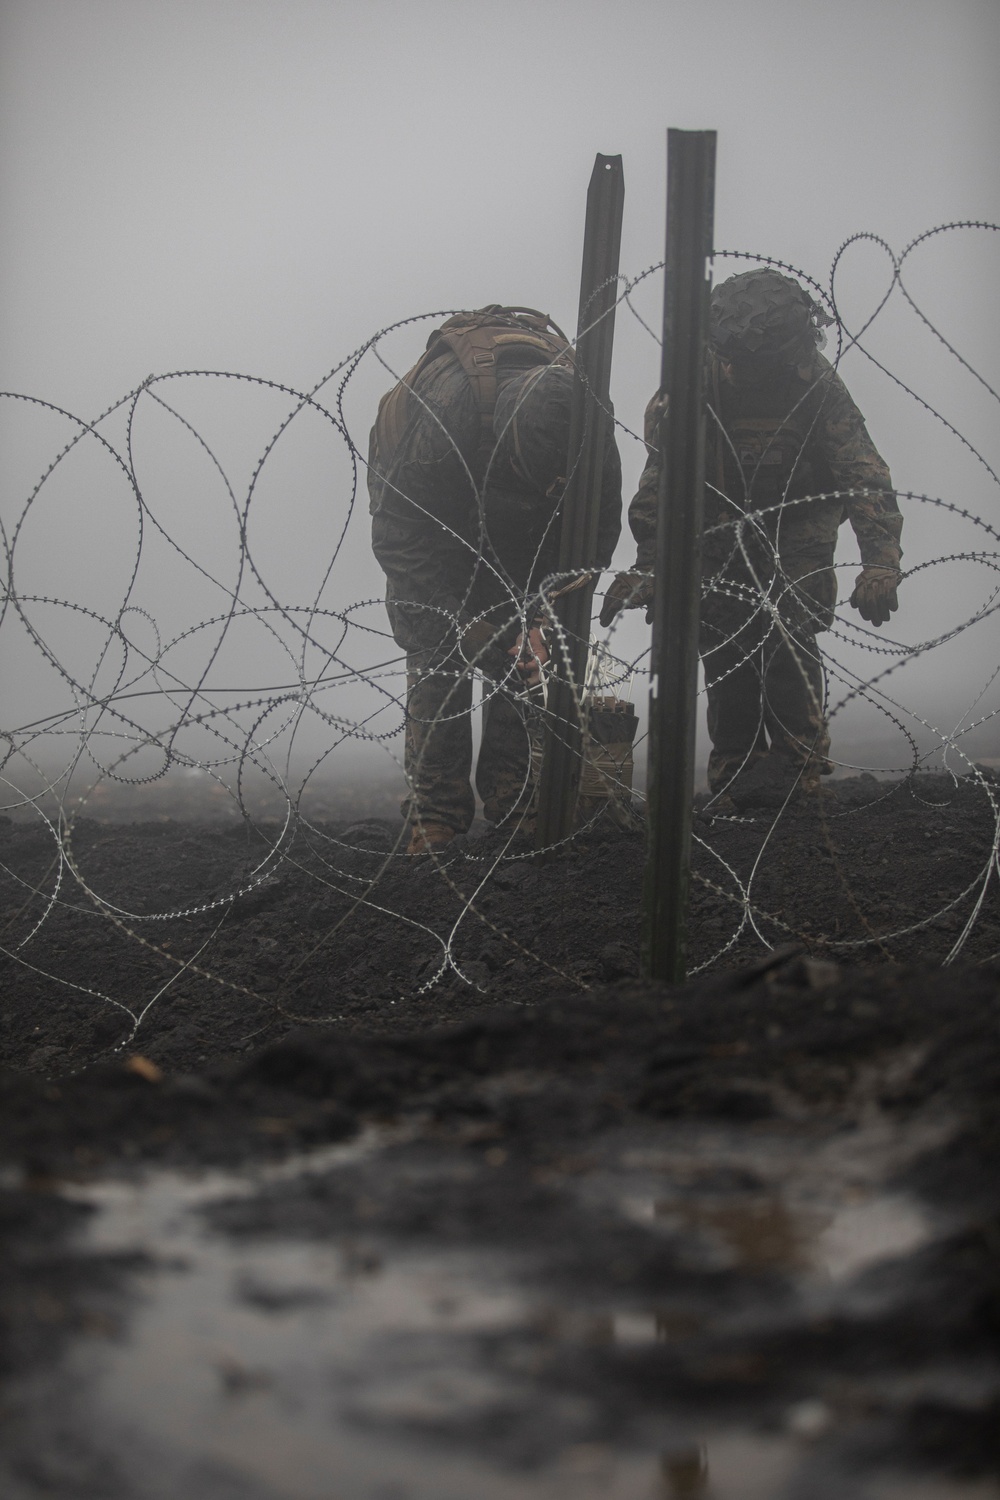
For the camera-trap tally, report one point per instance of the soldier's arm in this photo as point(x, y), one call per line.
point(642, 511)
point(609, 524)
point(633, 590)
point(856, 464)
point(422, 501)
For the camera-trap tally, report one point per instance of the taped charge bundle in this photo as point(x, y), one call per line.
point(610, 726)
point(609, 729)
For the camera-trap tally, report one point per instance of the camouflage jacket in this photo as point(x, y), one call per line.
point(770, 447)
point(454, 527)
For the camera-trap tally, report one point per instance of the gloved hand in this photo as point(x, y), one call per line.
point(531, 654)
point(631, 590)
point(482, 650)
point(874, 595)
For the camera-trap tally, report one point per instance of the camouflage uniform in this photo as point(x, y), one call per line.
point(768, 581)
point(462, 535)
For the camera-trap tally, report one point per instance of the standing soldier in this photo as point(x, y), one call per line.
point(788, 459)
point(467, 466)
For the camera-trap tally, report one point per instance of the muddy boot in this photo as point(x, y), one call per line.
point(429, 835)
point(768, 783)
point(725, 771)
point(778, 779)
point(518, 825)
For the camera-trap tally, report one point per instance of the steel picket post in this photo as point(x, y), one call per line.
point(677, 596)
point(563, 740)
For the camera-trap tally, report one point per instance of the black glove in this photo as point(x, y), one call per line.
point(874, 595)
point(481, 648)
point(631, 590)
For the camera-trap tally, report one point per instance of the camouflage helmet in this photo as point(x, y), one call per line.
point(531, 423)
point(764, 316)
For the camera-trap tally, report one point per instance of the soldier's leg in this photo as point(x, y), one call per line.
point(730, 652)
point(793, 672)
point(438, 749)
point(503, 772)
point(793, 700)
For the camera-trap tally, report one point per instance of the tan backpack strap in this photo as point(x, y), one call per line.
point(395, 407)
point(390, 423)
point(476, 351)
point(539, 322)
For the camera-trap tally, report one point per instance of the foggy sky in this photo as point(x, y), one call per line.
point(258, 186)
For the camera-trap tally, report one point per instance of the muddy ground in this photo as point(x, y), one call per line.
point(519, 1222)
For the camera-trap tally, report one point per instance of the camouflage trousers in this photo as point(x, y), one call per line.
point(438, 750)
point(764, 671)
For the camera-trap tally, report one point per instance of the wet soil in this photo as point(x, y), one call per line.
point(756, 1215)
point(194, 943)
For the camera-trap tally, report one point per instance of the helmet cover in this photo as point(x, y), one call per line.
point(764, 316)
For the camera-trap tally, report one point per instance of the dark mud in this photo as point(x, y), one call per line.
point(756, 1215)
point(194, 944)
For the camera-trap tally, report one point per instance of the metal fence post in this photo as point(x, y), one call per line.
point(563, 743)
point(674, 657)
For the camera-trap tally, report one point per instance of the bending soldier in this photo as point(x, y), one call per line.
point(788, 459)
point(467, 467)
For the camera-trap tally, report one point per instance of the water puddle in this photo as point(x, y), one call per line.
point(320, 1371)
point(360, 1368)
point(860, 1235)
point(815, 1208)
point(765, 1233)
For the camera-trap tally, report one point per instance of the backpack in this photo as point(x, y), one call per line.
point(476, 339)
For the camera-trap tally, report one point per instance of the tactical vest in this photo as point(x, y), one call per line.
point(760, 461)
point(479, 341)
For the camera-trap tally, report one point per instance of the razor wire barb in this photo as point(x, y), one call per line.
point(203, 668)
